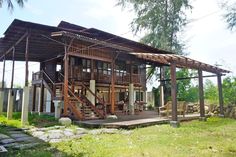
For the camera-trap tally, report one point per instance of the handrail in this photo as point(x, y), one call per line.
point(47, 76)
point(99, 99)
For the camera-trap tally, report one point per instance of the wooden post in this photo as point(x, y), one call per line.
point(221, 100)
point(92, 69)
point(34, 98)
point(41, 97)
point(3, 72)
point(26, 62)
point(112, 88)
point(66, 66)
point(201, 96)
point(174, 121)
point(13, 67)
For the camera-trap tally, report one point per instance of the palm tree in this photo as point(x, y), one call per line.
point(10, 4)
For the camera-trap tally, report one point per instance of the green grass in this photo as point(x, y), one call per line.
point(34, 120)
point(214, 138)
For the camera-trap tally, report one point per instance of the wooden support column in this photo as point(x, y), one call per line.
point(201, 96)
point(41, 97)
point(92, 69)
point(27, 62)
point(13, 67)
point(3, 72)
point(221, 100)
point(174, 119)
point(34, 98)
point(66, 66)
point(113, 88)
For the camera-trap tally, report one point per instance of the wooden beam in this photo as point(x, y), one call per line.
point(186, 78)
point(3, 72)
point(92, 69)
point(173, 91)
point(13, 67)
point(201, 94)
point(90, 57)
point(66, 68)
point(17, 42)
point(221, 100)
point(27, 61)
point(113, 88)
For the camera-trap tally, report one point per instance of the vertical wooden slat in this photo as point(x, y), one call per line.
point(26, 61)
point(66, 63)
point(173, 91)
point(221, 100)
point(13, 67)
point(113, 88)
point(201, 94)
point(3, 72)
point(162, 77)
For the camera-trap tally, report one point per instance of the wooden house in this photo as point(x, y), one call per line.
point(87, 72)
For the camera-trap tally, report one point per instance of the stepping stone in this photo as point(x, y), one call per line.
point(19, 135)
point(6, 141)
point(10, 145)
point(25, 146)
point(38, 133)
point(26, 139)
point(3, 136)
point(3, 151)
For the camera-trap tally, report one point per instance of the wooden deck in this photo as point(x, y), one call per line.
point(145, 118)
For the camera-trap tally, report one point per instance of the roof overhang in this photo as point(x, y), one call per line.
point(181, 62)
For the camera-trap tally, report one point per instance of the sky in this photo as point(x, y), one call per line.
point(207, 37)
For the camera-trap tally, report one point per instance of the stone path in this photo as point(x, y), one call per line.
point(17, 139)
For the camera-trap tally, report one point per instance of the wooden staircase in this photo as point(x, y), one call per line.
point(79, 106)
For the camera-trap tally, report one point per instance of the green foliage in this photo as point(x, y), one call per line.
point(162, 20)
point(10, 3)
point(230, 15)
point(211, 92)
point(229, 90)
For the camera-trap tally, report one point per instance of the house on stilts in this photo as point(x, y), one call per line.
point(88, 73)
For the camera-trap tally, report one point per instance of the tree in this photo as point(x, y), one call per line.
point(229, 90)
point(162, 21)
point(10, 4)
point(211, 92)
point(230, 15)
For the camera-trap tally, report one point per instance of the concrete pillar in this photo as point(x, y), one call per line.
point(10, 104)
point(92, 87)
point(1, 101)
point(25, 106)
point(131, 98)
point(162, 101)
point(162, 77)
point(58, 105)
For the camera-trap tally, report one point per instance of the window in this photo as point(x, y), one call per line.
point(139, 96)
point(86, 65)
point(120, 69)
point(104, 68)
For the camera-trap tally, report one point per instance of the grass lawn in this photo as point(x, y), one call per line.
point(216, 137)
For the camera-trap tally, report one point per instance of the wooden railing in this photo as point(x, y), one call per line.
point(99, 100)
